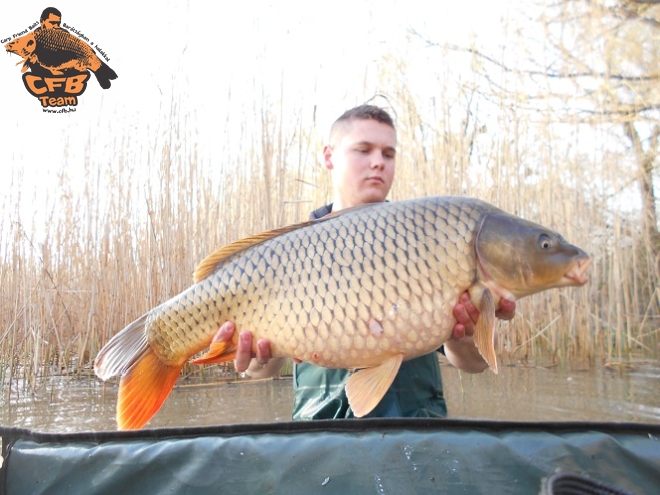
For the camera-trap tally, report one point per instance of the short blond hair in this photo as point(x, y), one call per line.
point(362, 112)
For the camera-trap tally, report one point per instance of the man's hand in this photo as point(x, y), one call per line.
point(244, 347)
point(467, 315)
point(460, 349)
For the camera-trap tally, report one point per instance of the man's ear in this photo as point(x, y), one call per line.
point(327, 157)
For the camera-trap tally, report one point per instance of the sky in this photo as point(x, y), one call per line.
point(216, 61)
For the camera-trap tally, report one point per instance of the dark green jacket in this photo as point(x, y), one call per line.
point(415, 392)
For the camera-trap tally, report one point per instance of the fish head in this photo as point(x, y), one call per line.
point(522, 257)
point(23, 47)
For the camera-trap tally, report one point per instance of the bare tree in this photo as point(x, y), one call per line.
point(610, 49)
point(595, 62)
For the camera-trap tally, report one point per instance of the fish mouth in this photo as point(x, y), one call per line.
point(577, 275)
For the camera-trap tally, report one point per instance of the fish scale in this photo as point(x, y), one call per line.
point(293, 300)
point(365, 288)
point(59, 40)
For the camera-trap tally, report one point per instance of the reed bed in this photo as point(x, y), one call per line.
point(131, 234)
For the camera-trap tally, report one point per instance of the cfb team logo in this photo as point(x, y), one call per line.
point(56, 63)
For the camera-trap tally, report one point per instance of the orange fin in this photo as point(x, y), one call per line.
point(143, 389)
point(366, 387)
point(218, 352)
point(145, 380)
point(484, 332)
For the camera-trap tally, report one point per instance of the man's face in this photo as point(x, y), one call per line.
point(52, 22)
point(362, 162)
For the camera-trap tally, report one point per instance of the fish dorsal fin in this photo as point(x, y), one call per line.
point(208, 264)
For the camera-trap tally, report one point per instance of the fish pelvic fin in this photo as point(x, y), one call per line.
point(365, 388)
point(143, 389)
point(484, 332)
point(219, 352)
point(209, 264)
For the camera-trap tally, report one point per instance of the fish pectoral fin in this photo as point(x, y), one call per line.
point(219, 352)
point(366, 388)
point(143, 389)
point(484, 332)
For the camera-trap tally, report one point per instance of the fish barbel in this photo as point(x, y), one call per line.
point(364, 288)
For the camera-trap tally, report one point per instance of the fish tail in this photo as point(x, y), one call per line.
point(143, 389)
point(104, 75)
point(145, 382)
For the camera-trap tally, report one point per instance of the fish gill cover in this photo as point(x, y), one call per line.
point(57, 60)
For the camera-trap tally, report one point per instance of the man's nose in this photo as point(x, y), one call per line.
point(378, 159)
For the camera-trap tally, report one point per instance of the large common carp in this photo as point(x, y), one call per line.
point(57, 50)
point(364, 288)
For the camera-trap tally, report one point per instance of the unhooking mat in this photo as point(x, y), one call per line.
point(365, 456)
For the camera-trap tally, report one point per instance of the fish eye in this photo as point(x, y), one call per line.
point(545, 242)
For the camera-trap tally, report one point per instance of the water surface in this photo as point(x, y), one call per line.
point(622, 393)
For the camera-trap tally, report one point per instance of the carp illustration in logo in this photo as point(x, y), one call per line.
point(50, 51)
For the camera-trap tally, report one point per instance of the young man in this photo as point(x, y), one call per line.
point(361, 157)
